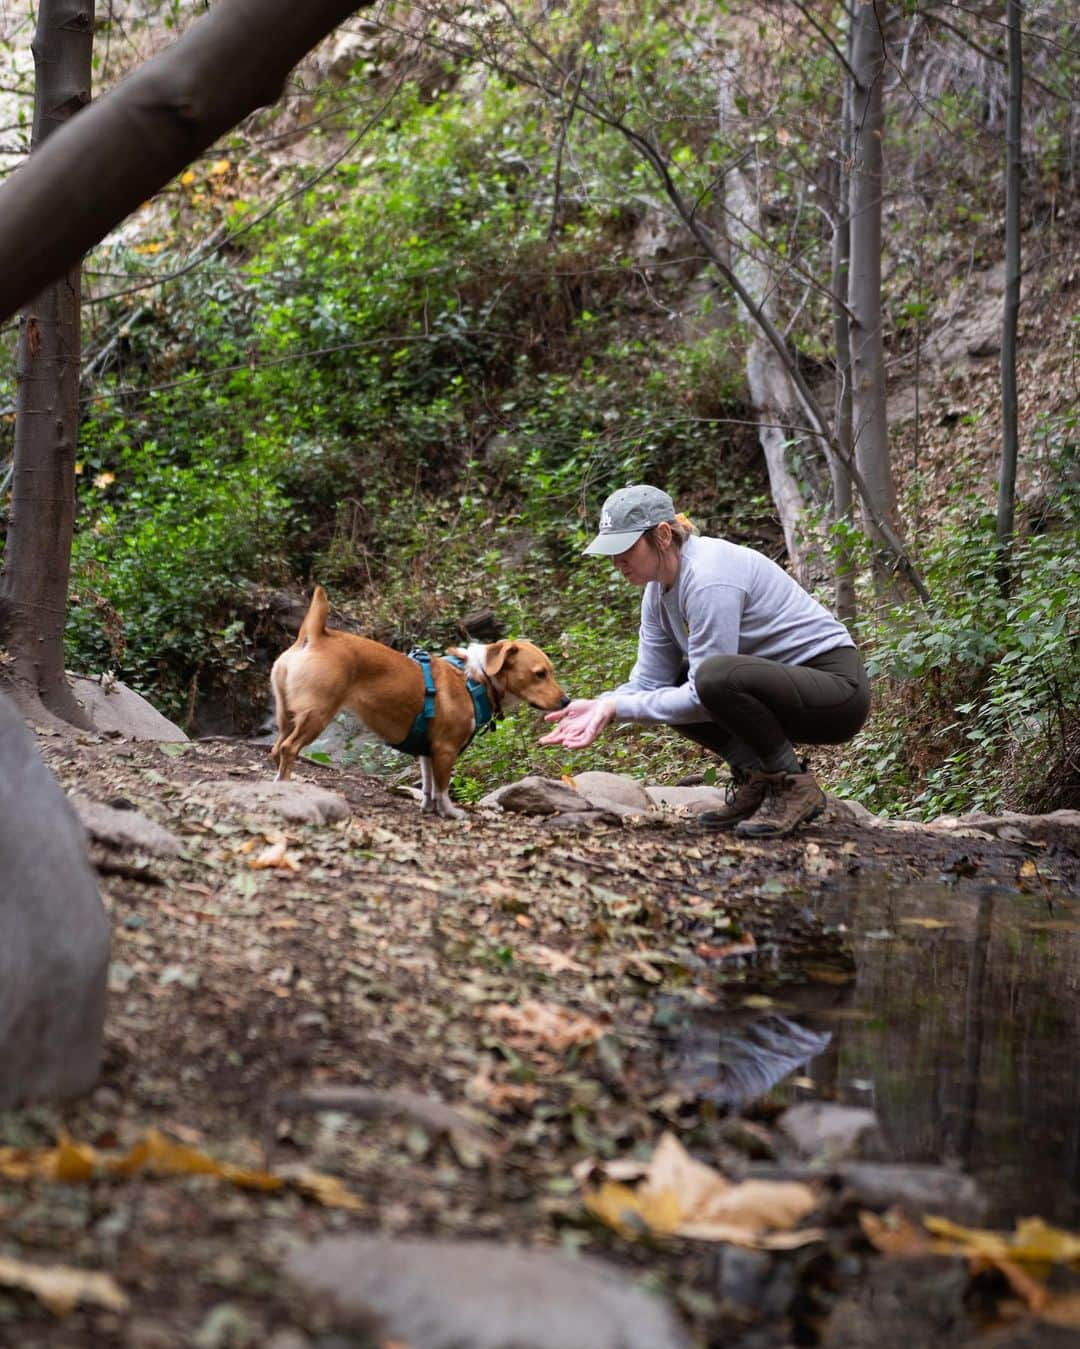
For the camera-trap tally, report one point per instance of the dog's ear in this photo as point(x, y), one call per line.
point(496, 656)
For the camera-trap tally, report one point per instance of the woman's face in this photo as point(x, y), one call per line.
point(640, 564)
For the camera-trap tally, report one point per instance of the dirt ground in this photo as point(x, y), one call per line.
point(503, 966)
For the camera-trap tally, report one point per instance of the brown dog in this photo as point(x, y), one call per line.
point(326, 670)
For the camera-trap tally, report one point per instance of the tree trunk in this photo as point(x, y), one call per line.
point(869, 424)
point(843, 497)
point(775, 401)
point(1010, 448)
point(37, 556)
point(772, 393)
point(82, 183)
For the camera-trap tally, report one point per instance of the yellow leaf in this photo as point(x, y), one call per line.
point(73, 1161)
point(219, 167)
point(187, 178)
point(328, 1190)
point(931, 923)
point(104, 479)
point(681, 1196)
point(61, 1288)
point(1033, 1242)
point(631, 1212)
point(153, 247)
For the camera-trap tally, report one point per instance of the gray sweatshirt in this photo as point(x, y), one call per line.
point(726, 600)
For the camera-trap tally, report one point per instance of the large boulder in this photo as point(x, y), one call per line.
point(54, 933)
point(114, 709)
point(449, 1294)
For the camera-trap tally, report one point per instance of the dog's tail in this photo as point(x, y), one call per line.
point(314, 624)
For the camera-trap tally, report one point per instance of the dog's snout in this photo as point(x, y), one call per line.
point(564, 701)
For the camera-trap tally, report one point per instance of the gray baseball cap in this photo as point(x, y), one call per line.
point(627, 514)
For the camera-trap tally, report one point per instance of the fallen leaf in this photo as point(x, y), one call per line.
point(745, 946)
point(930, 923)
point(893, 1233)
point(157, 1155)
point(1034, 1241)
point(681, 1196)
point(547, 1023)
point(555, 961)
point(61, 1288)
point(275, 856)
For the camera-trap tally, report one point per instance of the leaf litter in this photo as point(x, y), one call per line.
point(388, 954)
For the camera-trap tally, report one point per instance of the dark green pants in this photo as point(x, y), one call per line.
point(760, 708)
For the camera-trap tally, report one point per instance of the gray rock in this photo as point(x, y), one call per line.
point(54, 934)
point(917, 1188)
point(607, 789)
point(298, 802)
point(447, 1295)
point(125, 828)
point(691, 799)
point(824, 1129)
point(537, 796)
point(840, 808)
point(580, 819)
point(113, 708)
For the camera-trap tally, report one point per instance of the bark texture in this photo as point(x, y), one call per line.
point(37, 556)
point(869, 425)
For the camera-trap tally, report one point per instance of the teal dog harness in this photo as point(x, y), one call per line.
point(418, 741)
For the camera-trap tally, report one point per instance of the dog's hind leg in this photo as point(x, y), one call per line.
point(306, 726)
point(427, 783)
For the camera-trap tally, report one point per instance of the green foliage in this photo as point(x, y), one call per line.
point(403, 335)
point(978, 699)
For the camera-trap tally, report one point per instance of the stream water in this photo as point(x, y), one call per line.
point(960, 1028)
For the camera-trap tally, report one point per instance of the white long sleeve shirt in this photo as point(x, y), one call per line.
point(725, 600)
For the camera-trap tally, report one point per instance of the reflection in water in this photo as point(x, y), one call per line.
point(969, 1033)
point(961, 1029)
point(732, 1065)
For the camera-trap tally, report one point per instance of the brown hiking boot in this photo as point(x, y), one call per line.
point(790, 800)
point(743, 796)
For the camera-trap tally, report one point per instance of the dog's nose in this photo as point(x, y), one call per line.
point(565, 701)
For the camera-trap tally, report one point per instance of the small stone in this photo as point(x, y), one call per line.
point(125, 829)
point(538, 796)
point(825, 1130)
point(297, 802)
point(606, 790)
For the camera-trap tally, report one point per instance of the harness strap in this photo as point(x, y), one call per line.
point(418, 741)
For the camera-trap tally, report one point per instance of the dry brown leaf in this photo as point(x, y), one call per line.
point(277, 856)
point(684, 1197)
point(61, 1288)
point(743, 947)
point(548, 1024)
point(895, 1234)
point(555, 961)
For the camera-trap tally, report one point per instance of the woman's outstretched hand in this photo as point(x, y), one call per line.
point(579, 723)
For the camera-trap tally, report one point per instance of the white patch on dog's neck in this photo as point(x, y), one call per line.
point(474, 660)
